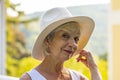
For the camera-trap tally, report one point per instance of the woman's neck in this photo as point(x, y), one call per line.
point(52, 66)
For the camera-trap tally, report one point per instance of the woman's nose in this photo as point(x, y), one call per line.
point(72, 43)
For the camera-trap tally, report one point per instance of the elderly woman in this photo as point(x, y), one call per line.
point(62, 36)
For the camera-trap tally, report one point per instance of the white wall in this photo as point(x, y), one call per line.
point(2, 37)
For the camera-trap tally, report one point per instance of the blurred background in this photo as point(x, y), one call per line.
point(19, 28)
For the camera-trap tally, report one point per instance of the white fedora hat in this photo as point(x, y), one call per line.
point(55, 17)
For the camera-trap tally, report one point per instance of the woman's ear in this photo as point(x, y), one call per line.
point(47, 42)
point(47, 45)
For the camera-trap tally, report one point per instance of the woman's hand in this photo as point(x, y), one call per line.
point(87, 59)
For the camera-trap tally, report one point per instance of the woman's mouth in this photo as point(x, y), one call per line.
point(69, 51)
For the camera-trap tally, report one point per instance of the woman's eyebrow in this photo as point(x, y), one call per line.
point(63, 30)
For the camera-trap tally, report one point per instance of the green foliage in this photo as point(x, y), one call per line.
point(18, 67)
point(104, 56)
point(16, 50)
point(26, 64)
point(103, 67)
point(11, 66)
point(7, 2)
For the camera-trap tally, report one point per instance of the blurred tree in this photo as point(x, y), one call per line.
point(104, 56)
point(15, 41)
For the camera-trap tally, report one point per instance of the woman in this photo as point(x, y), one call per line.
point(62, 36)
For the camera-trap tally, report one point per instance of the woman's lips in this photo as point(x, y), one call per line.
point(69, 51)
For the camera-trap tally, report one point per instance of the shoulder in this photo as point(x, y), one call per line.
point(25, 77)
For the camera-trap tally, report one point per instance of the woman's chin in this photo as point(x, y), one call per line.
point(67, 57)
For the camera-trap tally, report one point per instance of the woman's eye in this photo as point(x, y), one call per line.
point(76, 39)
point(66, 36)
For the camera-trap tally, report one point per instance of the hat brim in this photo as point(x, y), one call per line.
point(86, 28)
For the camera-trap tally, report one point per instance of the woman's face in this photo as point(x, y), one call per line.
point(64, 43)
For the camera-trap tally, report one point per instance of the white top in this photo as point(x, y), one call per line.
point(35, 75)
